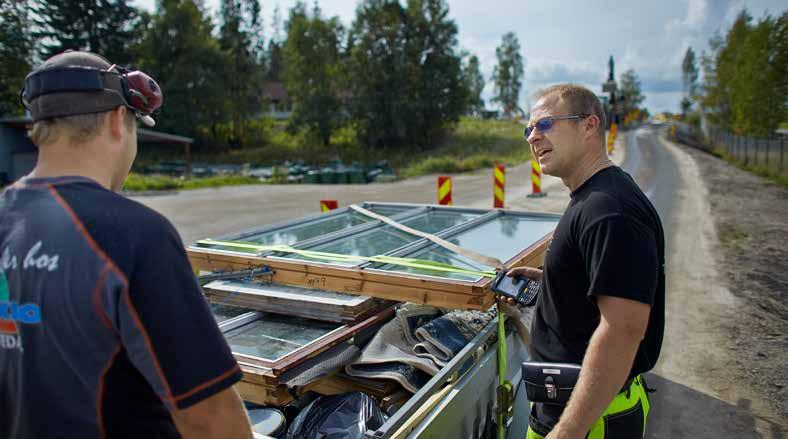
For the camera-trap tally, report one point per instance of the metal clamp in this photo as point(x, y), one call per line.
point(552, 390)
point(505, 402)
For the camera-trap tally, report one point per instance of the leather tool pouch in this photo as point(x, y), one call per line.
point(550, 383)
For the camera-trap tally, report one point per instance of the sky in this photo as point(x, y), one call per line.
point(571, 40)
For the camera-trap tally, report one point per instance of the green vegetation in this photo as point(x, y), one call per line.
point(472, 144)
point(763, 171)
point(475, 144)
point(744, 88)
point(139, 183)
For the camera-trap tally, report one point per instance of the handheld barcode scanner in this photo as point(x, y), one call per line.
point(113, 86)
point(519, 288)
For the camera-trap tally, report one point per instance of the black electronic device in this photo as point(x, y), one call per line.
point(519, 288)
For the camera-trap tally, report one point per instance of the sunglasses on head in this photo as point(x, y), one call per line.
point(546, 124)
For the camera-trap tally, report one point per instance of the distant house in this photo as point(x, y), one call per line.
point(276, 100)
point(18, 154)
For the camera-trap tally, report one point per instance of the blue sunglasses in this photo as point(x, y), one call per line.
point(546, 124)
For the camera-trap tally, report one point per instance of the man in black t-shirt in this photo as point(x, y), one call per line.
point(104, 331)
point(602, 298)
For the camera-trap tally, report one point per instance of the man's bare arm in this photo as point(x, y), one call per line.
point(607, 363)
point(219, 416)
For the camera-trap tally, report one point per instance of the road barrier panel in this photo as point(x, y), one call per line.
point(328, 205)
point(444, 190)
point(499, 184)
point(536, 180)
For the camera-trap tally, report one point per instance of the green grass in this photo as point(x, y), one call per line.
point(763, 171)
point(474, 144)
point(139, 183)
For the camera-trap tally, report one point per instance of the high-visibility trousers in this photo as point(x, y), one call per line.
point(624, 418)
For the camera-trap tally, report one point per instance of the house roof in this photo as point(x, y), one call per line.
point(275, 91)
point(143, 135)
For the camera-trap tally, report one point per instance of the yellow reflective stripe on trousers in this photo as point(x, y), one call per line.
point(620, 404)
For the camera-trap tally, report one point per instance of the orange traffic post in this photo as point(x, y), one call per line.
point(444, 190)
point(328, 205)
point(499, 182)
point(611, 138)
point(536, 180)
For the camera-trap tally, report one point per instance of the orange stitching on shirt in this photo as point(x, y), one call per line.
point(207, 383)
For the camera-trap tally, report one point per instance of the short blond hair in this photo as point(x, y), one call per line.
point(579, 100)
point(78, 128)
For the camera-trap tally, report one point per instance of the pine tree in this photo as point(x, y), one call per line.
point(16, 50)
point(179, 50)
point(105, 27)
point(630, 91)
point(378, 74)
point(274, 52)
point(689, 75)
point(508, 74)
point(313, 71)
point(437, 93)
point(474, 82)
point(239, 36)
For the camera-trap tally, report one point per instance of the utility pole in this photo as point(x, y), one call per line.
point(610, 86)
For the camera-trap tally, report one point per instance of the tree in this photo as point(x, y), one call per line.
point(405, 73)
point(313, 71)
point(630, 92)
point(377, 73)
point(240, 36)
point(474, 81)
point(16, 50)
point(274, 52)
point(105, 27)
point(689, 75)
point(508, 74)
point(744, 86)
point(180, 52)
point(436, 91)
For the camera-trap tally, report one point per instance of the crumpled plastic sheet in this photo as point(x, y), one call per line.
point(346, 416)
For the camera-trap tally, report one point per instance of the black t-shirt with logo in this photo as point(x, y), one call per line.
point(609, 242)
point(103, 327)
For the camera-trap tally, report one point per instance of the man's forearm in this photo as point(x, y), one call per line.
point(607, 363)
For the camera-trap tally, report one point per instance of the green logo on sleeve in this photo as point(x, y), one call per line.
point(4, 294)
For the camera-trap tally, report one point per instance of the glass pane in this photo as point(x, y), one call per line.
point(440, 254)
point(226, 312)
point(502, 238)
point(370, 243)
point(289, 235)
point(274, 336)
point(387, 238)
point(436, 220)
point(389, 211)
point(505, 236)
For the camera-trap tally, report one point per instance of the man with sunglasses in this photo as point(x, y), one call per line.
point(104, 331)
point(602, 298)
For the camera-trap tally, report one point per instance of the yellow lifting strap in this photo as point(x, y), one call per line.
point(337, 257)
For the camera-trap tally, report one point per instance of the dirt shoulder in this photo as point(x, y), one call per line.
point(751, 217)
point(723, 368)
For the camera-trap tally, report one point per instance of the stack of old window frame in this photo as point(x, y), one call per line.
point(279, 322)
